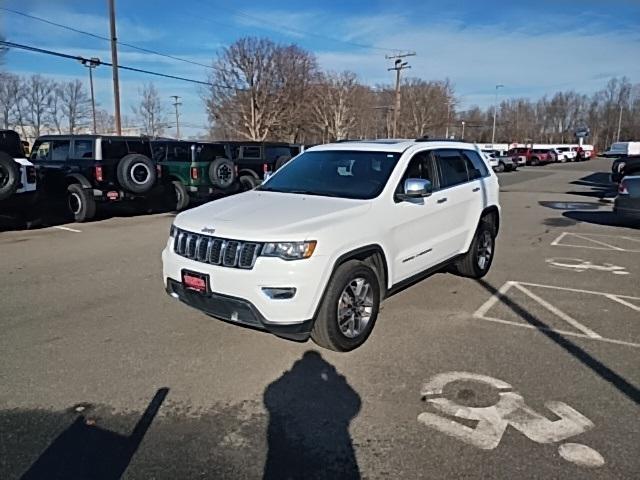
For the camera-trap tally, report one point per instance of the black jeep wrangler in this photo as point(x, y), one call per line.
point(91, 169)
point(256, 161)
point(625, 166)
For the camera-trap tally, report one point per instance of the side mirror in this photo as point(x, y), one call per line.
point(416, 188)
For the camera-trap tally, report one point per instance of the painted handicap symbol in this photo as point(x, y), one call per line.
point(504, 407)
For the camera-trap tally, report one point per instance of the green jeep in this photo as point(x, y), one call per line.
point(197, 170)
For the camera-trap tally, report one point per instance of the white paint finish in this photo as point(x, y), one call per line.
point(579, 265)
point(492, 421)
point(602, 245)
point(559, 313)
point(616, 298)
point(486, 306)
point(581, 455)
point(578, 290)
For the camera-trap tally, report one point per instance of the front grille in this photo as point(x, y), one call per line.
point(216, 251)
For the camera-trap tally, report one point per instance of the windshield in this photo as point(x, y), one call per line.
point(335, 173)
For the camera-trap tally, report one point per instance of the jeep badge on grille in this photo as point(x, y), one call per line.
point(208, 230)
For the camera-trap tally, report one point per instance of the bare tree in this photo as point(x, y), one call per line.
point(104, 121)
point(150, 111)
point(9, 92)
point(37, 97)
point(75, 104)
point(333, 105)
point(258, 88)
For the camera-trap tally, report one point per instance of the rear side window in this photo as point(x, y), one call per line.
point(60, 150)
point(83, 149)
point(208, 153)
point(476, 165)
point(179, 153)
point(251, 152)
point(158, 151)
point(113, 148)
point(272, 153)
point(453, 168)
point(138, 146)
point(420, 166)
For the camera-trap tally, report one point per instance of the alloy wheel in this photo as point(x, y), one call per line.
point(355, 307)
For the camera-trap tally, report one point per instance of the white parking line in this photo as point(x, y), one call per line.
point(585, 332)
point(559, 313)
point(67, 229)
point(588, 237)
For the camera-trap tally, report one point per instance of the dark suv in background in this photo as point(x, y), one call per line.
point(256, 161)
point(90, 169)
point(197, 170)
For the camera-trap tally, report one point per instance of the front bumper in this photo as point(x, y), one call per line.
point(237, 311)
point(237, 295)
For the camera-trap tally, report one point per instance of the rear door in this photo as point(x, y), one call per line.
point(51, 158)
point(458, 195)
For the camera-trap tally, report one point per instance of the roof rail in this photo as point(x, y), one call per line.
point(426, 138)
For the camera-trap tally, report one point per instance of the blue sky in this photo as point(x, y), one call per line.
point(532, 48)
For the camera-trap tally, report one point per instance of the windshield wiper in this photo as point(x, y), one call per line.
point(311, 192)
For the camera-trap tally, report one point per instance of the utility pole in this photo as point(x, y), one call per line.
point(619, 123)
point(114, 61)
point(398, 66)
point(462, 136)
point(176, 104)
point(446, 132)
point(91, 64)
point(495, 112)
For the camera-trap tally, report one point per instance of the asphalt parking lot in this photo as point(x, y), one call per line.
point(532, 372)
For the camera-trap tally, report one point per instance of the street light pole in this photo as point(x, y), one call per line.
point(176, 104)
point(462, 136)
point(91, 64)
point(446, 133)
point(495, 112)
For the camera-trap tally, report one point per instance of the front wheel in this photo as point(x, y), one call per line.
point(181, 196)
point(500, 167)
point(81, 203)
point(349, 308)
point(477, 261)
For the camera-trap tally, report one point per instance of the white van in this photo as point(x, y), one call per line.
point(623, 149)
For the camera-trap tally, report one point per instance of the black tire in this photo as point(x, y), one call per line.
point(247, 182)
point(136, 173)
point(282, 160)
point(222, 173)
point(469, 265)
point(180, 196)
point(80, 203)
point(326, 331)
point(9, 176)
point(501, 167)
point(535, 161)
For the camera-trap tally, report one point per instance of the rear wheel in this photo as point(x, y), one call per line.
point(181, 196)
point(247, 182)
point(222, 173)
point(80, 203)
point(349, 308)
point(535, 161)
point(500, 167)
point(136, 173)
point(477, 261)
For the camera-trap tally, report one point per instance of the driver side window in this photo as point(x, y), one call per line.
point(420, 166)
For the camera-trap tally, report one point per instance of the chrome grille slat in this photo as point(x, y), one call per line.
point(216, 251)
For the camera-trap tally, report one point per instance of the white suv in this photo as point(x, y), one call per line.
point(316, 248)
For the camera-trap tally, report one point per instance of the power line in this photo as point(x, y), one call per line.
point(100, 37)
point(100, 62)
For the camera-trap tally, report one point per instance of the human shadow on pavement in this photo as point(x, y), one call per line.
point(86, 451)
point(596, 366)
point(310, 408)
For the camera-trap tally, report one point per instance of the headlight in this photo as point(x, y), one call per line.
point(289, 250)
point(172, 231)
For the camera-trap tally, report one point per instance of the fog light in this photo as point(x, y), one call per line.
point(276, 293)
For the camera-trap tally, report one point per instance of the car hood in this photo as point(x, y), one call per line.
point(269, 216)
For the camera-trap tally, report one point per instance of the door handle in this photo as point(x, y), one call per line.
point(477, 189)
point(442, 200)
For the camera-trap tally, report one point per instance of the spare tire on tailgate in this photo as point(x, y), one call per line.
point(222, 173)
point(136, 173)
point(9, 176)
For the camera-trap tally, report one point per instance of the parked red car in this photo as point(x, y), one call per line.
point(531, 156)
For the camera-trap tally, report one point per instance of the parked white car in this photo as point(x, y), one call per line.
point(316, 248)
point(623, 149)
